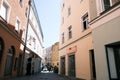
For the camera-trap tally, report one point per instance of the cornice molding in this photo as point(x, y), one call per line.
point(9, 28)
point(75, 41)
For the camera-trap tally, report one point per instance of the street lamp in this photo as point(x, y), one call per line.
point(29, 4)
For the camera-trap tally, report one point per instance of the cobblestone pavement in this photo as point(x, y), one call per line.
point(44, 76)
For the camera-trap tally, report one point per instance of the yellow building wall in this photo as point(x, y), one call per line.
point(55, 54)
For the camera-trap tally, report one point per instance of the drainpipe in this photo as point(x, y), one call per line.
point(29, 3)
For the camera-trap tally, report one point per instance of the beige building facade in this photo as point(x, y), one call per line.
point(106, 39)
point(76, 52)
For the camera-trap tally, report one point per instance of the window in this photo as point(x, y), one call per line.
point(85, 21)
point(106, 4)
point(63, 6)
point(63, 38)
point(34, 42)
point(23, 35)
point(63, 20)
point(114, 1)
point(5, 10)
point(69, 11)
point(26, 12)
point(109, 3)
point(17, 26)
point(81, 1)
point(70, 32)
point(30, 40)
point(21, 3)
point(113, 58)
point(57, 63)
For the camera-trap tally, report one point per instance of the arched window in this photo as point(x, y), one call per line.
point(9, 60)
point(1, 48)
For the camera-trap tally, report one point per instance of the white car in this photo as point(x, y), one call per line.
point(45, 69)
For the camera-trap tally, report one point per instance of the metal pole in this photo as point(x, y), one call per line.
point(29, 3)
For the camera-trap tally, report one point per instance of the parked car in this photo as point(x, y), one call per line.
point(45, 68)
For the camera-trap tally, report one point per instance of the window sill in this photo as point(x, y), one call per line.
point(85, 29)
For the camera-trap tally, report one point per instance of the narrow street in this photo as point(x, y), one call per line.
point(44, 76)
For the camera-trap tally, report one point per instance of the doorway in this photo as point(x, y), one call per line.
point(71, 65)
point(9, 61)
point(19, 68)
point(1, 49)
point(92, 64)
point(113, 57)
point(62, 68)
point(117, 60)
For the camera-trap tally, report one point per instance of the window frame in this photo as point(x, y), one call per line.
point(110, 4)
point(62, 20)
point(21, 3)
point(111, 61)
point(85, 19)
point(81, 1)
point(17, 28)
point(63, 5)
point(63, 38)
point(6, 5)
point(26, 12)
point(70, 32)
point(69, 11)
point(10, 56)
